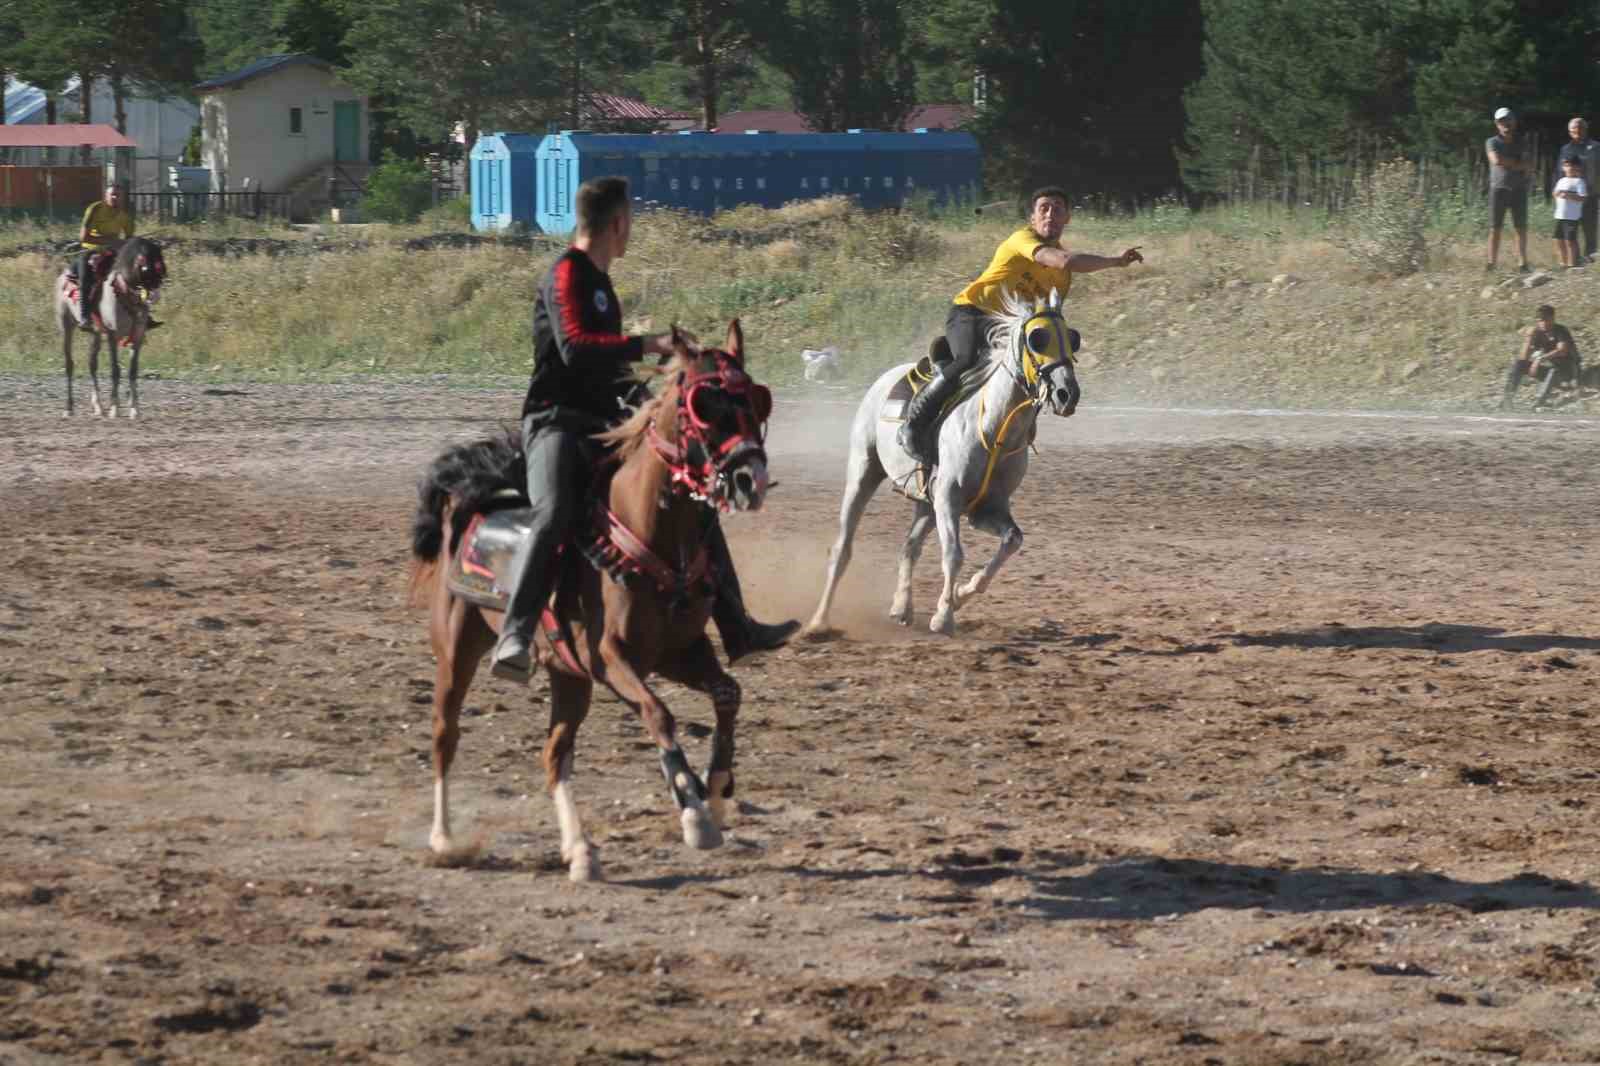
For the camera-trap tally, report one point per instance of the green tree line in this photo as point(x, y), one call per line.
point(1125, 99)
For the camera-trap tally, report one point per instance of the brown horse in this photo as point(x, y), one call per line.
point(695, 448)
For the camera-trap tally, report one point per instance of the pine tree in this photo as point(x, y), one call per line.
point(850, 61)
point(440, 63)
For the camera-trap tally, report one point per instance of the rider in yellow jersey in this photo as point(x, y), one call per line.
point(1028, 263)
point(106, 224)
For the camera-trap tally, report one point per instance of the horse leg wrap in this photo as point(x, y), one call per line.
point(680, 779)
point(722, 759)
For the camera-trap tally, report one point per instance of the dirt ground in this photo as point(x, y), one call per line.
point(1276, 744)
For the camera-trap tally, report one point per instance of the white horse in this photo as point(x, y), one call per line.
point(121, 313)
point(983, 454)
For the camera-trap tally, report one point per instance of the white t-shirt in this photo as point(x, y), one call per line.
point(1570, 209)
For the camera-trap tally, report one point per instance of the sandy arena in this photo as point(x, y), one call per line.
point(1276, 744)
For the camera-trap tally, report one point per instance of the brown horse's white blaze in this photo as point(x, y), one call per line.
point(699, 444)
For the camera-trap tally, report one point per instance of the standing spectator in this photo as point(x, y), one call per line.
point(1571, 194)
point(1509, 167)
point(1581, 147)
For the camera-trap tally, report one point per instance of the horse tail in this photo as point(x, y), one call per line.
point(460, 483)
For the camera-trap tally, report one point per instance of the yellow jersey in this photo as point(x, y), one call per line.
point(1013, 268)
point(106, 223)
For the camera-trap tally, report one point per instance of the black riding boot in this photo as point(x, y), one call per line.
point(555, 459)
point(513, 652)
point(922, 413)
point(740, 633)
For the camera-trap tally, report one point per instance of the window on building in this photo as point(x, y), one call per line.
point(295, 121)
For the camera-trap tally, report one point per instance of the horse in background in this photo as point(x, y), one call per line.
point(637, 607)
point(983, 453)
point(120, 313)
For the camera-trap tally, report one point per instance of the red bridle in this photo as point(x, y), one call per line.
point(719, 436)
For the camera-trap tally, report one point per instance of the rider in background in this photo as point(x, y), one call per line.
point(580, 382)
point(1029, 263)
point(106, 224)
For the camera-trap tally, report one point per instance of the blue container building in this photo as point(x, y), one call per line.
point(707, 172)
point(502, 176)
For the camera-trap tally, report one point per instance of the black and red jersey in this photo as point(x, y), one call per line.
point(581, 356)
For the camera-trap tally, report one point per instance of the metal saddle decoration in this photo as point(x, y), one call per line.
point(480, 571)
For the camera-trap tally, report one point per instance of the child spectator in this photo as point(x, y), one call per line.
point(1570, 193)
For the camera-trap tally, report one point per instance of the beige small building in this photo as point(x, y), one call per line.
point(284, 124)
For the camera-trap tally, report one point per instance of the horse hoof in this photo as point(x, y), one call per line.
point(819, 634)
point(902, 618)
point(945, 624)
point(133, 412)
point(451, 856)
point(585, 866)
point(699, 831)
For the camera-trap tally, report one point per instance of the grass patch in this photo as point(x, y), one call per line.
point(1247, 305)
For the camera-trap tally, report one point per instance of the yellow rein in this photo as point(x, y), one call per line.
point(995, 455)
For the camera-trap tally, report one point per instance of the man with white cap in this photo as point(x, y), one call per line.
point(1509, 169)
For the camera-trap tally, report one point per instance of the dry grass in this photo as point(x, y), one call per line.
point(1203, 321)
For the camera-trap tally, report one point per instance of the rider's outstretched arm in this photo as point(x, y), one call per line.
point(1084, 262)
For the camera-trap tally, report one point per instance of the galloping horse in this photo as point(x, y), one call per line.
point(696, 447)
point(983, 453)
point(121, 312)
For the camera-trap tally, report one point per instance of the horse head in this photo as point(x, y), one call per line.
point(720, 423)
point(141, 265)
point(1043, 345)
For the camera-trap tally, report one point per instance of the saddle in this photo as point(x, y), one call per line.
point(100, 263)
point(99, 266)
point(481, 568)
point(917, 378)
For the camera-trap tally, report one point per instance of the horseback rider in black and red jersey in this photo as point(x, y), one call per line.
point(580, 384)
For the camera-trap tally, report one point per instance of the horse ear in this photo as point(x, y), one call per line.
point(735, 345)
point(1055, 299)
point(680, 346)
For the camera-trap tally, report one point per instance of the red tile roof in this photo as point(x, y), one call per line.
point(931, 116)
point(776, 121)
point(63, 136)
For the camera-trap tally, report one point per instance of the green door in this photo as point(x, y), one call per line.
point(346, 131)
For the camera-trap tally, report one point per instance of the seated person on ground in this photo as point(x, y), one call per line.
point(1549, 356)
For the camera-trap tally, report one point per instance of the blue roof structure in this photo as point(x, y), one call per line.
point(264, 65)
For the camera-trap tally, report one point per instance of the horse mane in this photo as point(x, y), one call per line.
point(128, 255)
point(626, 437)
point(1015, 311)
